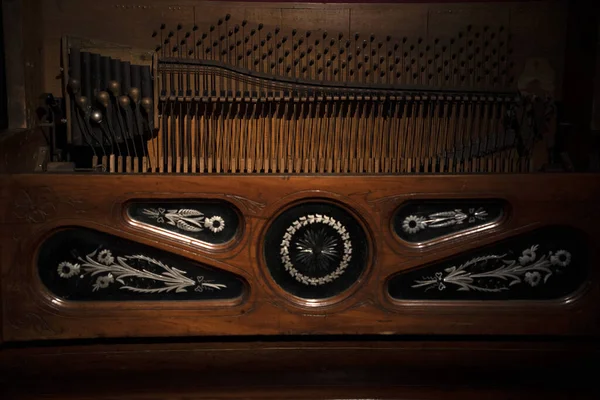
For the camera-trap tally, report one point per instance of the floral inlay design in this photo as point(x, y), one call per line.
point(110, 270)
point(414, 223)
point(67, 269)
point(317, 248)
point(494, 273)
point(186, 219)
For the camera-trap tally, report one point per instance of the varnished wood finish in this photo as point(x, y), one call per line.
point(392, 369)
point(267, 344)
point(35, 205)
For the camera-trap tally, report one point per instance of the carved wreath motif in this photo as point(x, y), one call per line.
point(504, 273)
point(186, 219)
point(413, 223)
point(110, 270)
point(305, 243)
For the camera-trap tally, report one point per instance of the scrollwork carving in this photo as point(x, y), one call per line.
point(30, 321)
point(38, 204)
point(255, 207)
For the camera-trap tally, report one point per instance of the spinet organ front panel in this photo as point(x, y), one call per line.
point(220, 168)
point(270, 255)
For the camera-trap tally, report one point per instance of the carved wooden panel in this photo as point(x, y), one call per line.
point(354, 221)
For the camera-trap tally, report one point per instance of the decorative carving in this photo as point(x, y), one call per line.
point(505, 273)
point(543, 264)
point(215, 224)
point(31, 321)
point(321, 250)
point(15, 290)
point(38, 204)
point(413, 223)
point(35, 205)
point(102, 262)
point(316, 249)
point(421, 221)
point(210, 221)
point(252, 206)
point(377, 201)
point(82, 264)
point(186, 219)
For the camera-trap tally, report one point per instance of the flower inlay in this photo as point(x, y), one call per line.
point(414, 223)
point(494, 273)
point(128, 270)
point(186, 219)
point(320, 243)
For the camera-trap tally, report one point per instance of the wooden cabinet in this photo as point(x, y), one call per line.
point(78, 263)
point(291, 200)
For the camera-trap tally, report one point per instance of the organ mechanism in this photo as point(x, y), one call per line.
point(239, 97)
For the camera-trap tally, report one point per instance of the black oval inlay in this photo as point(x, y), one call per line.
point(82, 264)
point(315, 250)
point(544, 264)
point(213, 222)
point(420, 221)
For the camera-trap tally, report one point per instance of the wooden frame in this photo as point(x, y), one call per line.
point(355, 369)
point(35, 205)
point(267, 343)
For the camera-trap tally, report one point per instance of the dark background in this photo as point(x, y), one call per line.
point(3, 112)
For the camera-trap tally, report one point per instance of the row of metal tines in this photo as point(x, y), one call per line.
point(373, 135)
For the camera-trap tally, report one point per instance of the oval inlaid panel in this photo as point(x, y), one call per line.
point(82, 264)
point(420, 221)
point(212, 222)
point(315, 250)
point(547, 263)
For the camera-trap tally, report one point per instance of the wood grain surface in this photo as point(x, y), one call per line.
point(301, 369)
point(269, 344)
point(36, 205)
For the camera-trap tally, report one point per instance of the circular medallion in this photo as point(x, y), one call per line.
point(315, 250)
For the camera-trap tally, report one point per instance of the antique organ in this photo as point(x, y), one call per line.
point(211, 171)
point(240, 99)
